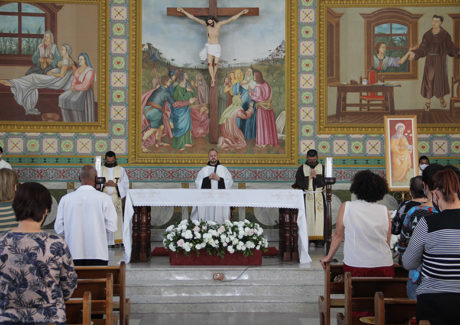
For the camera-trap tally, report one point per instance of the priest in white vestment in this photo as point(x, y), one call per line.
point(84, 217)
point(116, 186)
point(213, 176)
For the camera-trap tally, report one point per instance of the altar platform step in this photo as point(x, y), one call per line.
point(157, 287)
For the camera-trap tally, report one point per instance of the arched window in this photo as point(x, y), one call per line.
point(397, 29)
point(22, 26)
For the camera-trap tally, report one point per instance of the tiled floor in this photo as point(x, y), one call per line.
point(228, 318)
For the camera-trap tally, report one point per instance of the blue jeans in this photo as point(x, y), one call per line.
point(411, 288)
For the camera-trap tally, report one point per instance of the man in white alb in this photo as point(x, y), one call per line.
point(116, 186)
point(3, 163)
point(213, 176)
point(84, 217)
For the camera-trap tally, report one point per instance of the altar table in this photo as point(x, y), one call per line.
point(271, 198)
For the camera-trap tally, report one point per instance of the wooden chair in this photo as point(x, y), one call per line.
point(101, 298)
point(78, 311)
point(372, 100)
point(334, 286)
point(123, 305)
point(455, 97)
point(360, 291)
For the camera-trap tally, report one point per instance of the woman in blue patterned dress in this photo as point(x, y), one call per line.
point(37, 274)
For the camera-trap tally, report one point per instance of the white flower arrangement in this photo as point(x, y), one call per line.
point(216, 239)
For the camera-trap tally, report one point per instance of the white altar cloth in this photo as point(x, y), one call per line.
point(272, 198)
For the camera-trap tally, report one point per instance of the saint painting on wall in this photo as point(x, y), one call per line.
point(205, 81)
point(48, 76)
point(411, 48)
point(401, 151)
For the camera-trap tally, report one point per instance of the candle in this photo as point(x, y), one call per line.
point(329, 167)
point(97, 164)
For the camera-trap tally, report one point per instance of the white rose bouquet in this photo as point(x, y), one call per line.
point(216, 239)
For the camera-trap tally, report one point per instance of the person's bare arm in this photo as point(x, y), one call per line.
point(192, 17)
point(233, 18)
point(337, 238)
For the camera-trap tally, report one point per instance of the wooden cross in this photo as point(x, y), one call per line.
point(213, 10)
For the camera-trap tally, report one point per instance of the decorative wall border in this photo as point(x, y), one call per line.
point(49, 156)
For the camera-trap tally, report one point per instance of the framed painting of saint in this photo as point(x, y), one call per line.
point(382, 58)
point(53, 66)
point(214, 76)
point(400, 151)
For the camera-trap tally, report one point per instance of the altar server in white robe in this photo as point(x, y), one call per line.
point(213, 176)
point(84, 217)
point(116, 186)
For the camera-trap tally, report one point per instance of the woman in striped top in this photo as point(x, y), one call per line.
point(435, 244)
point(8, 184)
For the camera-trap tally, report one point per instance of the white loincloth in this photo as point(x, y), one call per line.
point(211, 49)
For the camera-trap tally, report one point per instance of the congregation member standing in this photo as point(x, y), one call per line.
point(435, 245)
point(366, 227)
point(8, 185)
point(418, 197)
point(410, 222)
point(213, 176)
point(37, 272)
point(3, 163)
point(84, 217)
point(310, 178)
point(116, 186)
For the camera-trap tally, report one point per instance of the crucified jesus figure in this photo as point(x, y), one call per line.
point(212, 48)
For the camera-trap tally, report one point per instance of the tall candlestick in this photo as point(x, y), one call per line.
point(97, 164)
point(329, 167)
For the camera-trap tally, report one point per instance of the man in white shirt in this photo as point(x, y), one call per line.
point(116, 186)
point(84, 217)
point(213, 176)
point(3, 163)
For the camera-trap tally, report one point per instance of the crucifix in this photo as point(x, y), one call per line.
point(212, 48)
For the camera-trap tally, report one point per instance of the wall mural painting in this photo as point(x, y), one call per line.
point(214, 83)
point(51, 66)
point(394, 59)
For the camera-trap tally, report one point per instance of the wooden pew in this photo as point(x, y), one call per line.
point(78, 311)
point(101, 298)
point(360, 291)
point(331, 287)
point(394, 311)
point(119, 286)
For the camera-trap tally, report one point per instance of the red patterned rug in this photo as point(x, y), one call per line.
point(161, 251)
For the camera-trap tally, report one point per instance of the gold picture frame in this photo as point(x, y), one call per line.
point(172, 157)
point(84, 25)
point(400, 150)
point(338, 33)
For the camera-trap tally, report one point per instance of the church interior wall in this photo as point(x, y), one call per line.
point(36, 160)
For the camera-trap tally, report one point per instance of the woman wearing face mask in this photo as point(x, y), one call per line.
point(37, 270)
point(435, 245)
point(410, 222)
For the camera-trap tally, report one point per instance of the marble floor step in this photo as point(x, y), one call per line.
point(194, 290)
point(214, 307)
point(278, 275)
point(219, 299)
